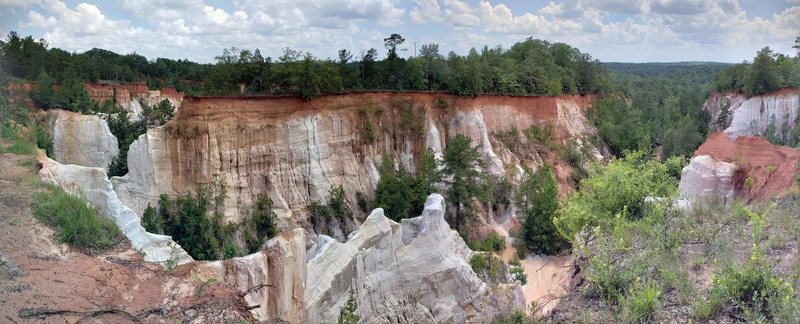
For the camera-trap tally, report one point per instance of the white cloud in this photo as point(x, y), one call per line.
point(426, 11)
point(19, 3)
point(200, 29)
point(36, 20)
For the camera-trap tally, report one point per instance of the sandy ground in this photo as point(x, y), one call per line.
point(59, 284)
point(548, 276)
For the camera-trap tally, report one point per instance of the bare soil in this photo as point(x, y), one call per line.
point(58, 284)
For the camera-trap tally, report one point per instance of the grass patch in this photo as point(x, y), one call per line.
point(76, 223)
point(640, 304)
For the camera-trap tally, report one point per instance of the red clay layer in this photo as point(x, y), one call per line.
point(773, 168)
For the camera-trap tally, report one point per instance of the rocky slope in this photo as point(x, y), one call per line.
point(736, 162)
point(296, 150)
point(414, 272)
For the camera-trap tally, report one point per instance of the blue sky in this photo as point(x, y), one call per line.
point(610, 30)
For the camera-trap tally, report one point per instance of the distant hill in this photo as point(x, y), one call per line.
point(695, 71)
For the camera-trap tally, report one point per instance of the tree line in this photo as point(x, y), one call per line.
point(530, 67)
point(767, 73)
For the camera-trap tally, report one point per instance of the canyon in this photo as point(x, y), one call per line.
point(296, 151)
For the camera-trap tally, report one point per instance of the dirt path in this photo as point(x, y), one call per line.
point(59, 285)
point(548, 276)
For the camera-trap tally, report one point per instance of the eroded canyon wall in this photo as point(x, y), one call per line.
point(130, 96)
point(296, 151)
point(721, 167)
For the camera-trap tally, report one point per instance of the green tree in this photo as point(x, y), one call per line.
point(537, 200)
point(463, 171)
point(157, 115)
point(763, 76)
point(391, 43)
point(263, 217)
point(309, 78)
point(151, 221)
point(427, 176)
point(393, 191)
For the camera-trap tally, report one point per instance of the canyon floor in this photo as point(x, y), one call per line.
point(44, 281)
point(548, 275)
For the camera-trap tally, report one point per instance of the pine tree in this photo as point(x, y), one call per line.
point(464, 172)
point(537, 200)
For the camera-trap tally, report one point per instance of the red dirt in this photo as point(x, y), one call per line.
point(64, 285)
point(773, 168)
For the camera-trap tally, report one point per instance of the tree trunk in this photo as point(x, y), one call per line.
point(458, 217)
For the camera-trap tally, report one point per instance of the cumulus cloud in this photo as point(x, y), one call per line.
point(201, 28)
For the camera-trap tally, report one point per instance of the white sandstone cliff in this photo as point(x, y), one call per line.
point(751, 116)
point(82, 139)
point(297, 154)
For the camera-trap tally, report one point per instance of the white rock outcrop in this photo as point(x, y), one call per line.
point(751, 116)
point(92, 184)
point(706, 179)
point(414, 272)
point(272, 281)
point(82, 139)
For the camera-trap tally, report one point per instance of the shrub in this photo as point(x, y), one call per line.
point(336, 208)
point(361, 200)
point(185, 219)
point(263, 223)
point(347, 315)
point(749, 183)
point(517, 271)
point(542, 135)
point(493, 243)
point(44, 140)
point(74, 220)
point(618, 188)
point(486, 266)
point(752, 287)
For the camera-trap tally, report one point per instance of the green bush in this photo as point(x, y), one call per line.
point(44, 140)
point(74, 220)
point(150, 220)
point(486, 266)
point(347, 315)
point(609, 278)
point(517, 271)
point(752, 288)
point(493, 243)
point(361, 200)
point(618, 188)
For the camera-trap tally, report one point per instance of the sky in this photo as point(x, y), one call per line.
point(609, 30)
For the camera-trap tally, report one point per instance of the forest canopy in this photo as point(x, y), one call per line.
point(530, 67)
